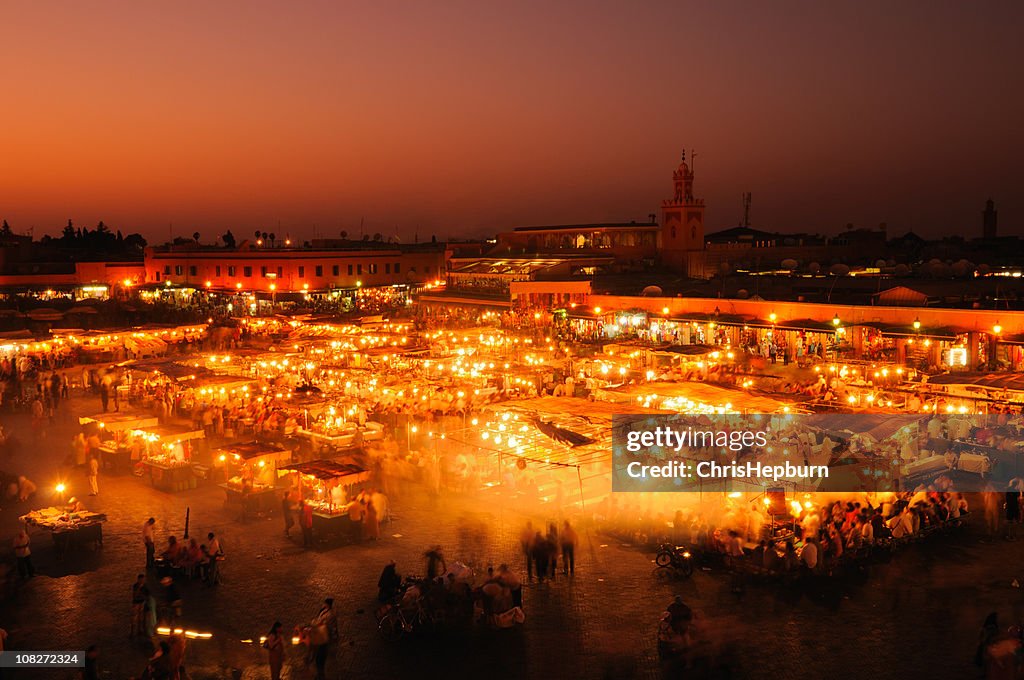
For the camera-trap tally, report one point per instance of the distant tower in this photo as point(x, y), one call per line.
point(682, 225)
point(989, 219)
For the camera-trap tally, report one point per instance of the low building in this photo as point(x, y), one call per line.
point(345, 265)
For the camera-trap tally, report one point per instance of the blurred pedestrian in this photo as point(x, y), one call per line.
point(139, 594)
point(23, 555)
point(371, 523)
point(306, 520)
point(274, 644)
point(569, 539)
point(287, 513)
point(149, 539)
point(94, 476)
point(526, 542)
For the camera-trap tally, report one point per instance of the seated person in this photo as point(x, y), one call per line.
point(173, 553)
point(192, 555)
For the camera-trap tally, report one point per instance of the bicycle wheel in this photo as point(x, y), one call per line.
point(663, 559)
point(391, 628)
point(686, 568)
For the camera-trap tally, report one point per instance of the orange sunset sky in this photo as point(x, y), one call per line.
point(461, 118)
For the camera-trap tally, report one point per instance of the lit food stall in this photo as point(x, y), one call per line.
point(694, 398)
point(250, 471)
point(114, 433)
point(66, 527)
point(332, 428)
point(327, 485)
point(168, 458)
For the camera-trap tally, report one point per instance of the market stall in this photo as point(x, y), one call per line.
point(68, 528)
point(168, 459)
point(250, 473)
point(327, 486)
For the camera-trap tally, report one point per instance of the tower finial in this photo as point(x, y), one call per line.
point(684, 155)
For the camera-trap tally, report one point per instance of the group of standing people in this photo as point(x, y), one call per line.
point(541, 551)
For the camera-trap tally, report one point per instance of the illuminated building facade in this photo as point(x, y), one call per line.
point(299, 270)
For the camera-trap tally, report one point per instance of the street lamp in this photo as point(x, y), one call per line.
point(835, 341)
point(917, 324)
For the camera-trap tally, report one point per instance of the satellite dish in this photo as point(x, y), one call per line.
point(839, 270)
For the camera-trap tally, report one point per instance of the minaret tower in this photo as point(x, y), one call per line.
point(682, 224)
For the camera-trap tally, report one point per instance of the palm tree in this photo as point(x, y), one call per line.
point(195, 237)
point(272, 239)
point(344, 234)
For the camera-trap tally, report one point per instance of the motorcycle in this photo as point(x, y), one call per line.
point(673, 559)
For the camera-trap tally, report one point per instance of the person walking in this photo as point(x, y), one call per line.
point(569, 539)
point(371, 523)
point(139, 594)
point(149, 539)
point(306, 520)
point(287, 513)
point(94, 476)
point(274, 644)
point(526, 542)
point(323, 632)
point(23, 555)
point(539, 553)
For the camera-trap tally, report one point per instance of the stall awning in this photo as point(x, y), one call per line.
point(723, 319)
point(685, 350)
point(121, 421)
point(933, 333)
point(251, 450)
point(171, 369)
point(329, 469)
point(996, 381)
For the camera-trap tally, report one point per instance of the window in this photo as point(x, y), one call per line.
point(247, 272)
point(280, 272)
point(336, 270)
point(319, 270)
point(263, 272)
point(218, 271)
point(167, 270)
point(398, 267)
point(350, 270)
point(231, 270)
point(192, 271)
point(387, 268)
point(373, 267)
point(158, 276)
point(178, 269)
point(302, 272)
point(359, 269)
